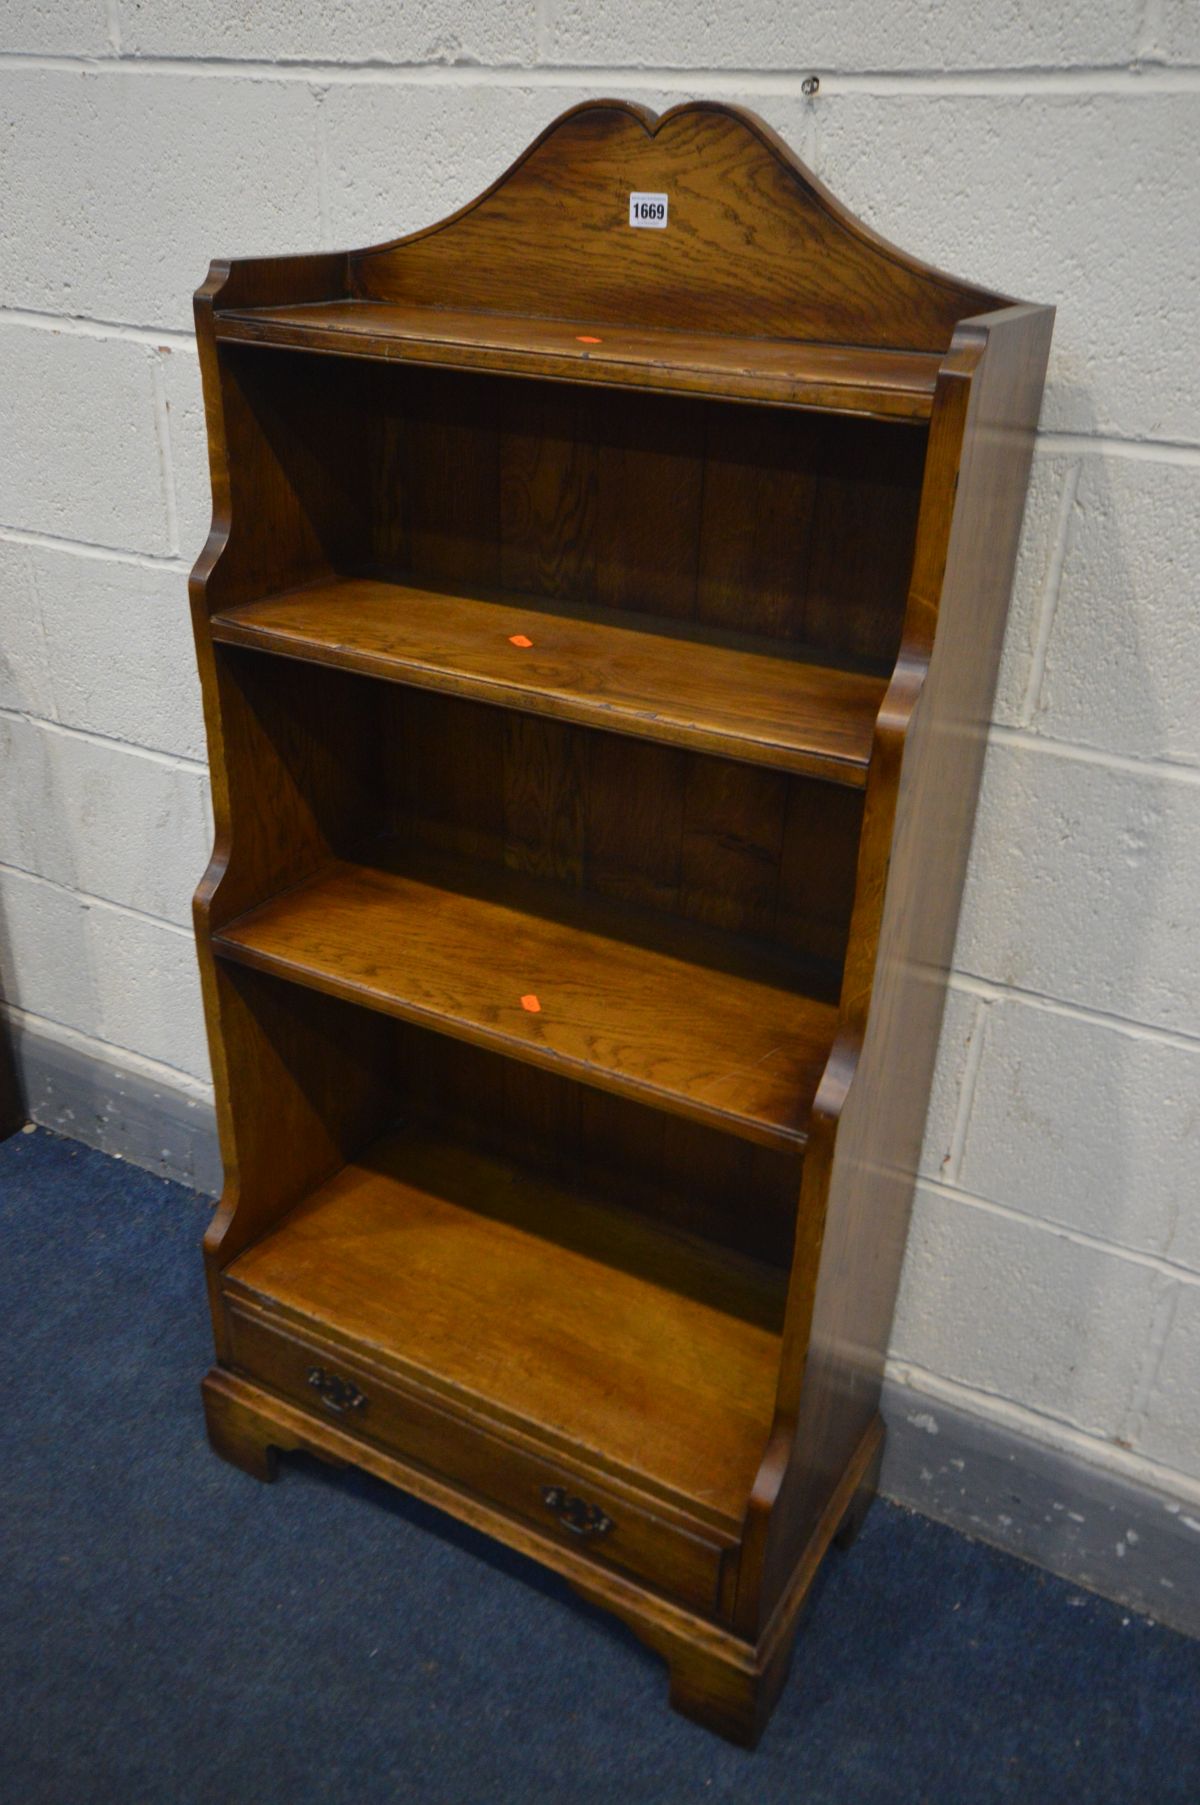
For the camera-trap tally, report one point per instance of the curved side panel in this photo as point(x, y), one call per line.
point(868, 1122)
point(753, 244)
point(294, 1088)
point(198, 582)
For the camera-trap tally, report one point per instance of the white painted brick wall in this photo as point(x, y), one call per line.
point(95, 816)
point(356, 31)
point(73, 601)
point(1083, 199)
point(844, 35)
point(146, 172)
point(1167, 1431)
point(1054, 1269)
point(386, 148)
point(1174, 35)
point(1084, 883)
point(45, 958)
point(1086, 1124)
point(146, 988)
point(67, 28)
point(1070, 1333)
point(80, 449)
point(187, 439)
point(1122, 654)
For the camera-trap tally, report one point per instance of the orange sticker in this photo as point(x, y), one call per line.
point(519, 639)
point(585, 338)
point(531, 1003)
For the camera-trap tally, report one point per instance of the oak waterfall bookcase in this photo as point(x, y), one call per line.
point(597, 630)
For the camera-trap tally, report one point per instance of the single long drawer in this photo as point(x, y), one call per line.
point(598, 1521)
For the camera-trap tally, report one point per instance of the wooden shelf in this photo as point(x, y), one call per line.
point(495, 1288)
point(710, 691)
point(785, 372)
point(660, 1010)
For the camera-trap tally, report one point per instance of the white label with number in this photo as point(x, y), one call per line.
point(648, 210)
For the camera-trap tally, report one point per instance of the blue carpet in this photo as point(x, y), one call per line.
point(176, 1633)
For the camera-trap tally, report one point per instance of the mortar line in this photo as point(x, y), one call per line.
point(1061, 1231)
point(973, 985)
point(321, 153)
point(1111, 78)
point(173, 761)
point(1051, 589)
point(112, 24)
point(40, 616)
point(966, 1089)
point(172, 1076)
point(78, 325)
point(1047, 1430)
point(162, 433)
point(85, 548)
point(1125, 762)
point(91, 901)
point(1156, 451)
point(1166, 1304)
point(1178, 1211)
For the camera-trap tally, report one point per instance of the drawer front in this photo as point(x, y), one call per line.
point(593, 1521)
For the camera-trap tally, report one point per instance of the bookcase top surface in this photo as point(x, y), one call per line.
point(752, 248)
point(892, 384)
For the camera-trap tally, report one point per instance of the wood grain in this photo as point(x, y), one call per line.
point(496, 1291)
point(860, 1169)
point(623, 818)
point(692, 1179)
point(755, 245)
point(735, 518)
point(705, 1026)
point(714, 692)
point(646, 1530)
point(782, 372)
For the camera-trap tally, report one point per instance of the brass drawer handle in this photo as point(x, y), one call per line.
point(336, 1394)
point(575, 1514)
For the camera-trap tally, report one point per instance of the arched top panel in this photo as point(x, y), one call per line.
point(753, 245)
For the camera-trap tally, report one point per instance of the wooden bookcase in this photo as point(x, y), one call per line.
point(597, 632)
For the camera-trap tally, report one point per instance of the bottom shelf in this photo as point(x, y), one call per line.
point(598, 1332)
